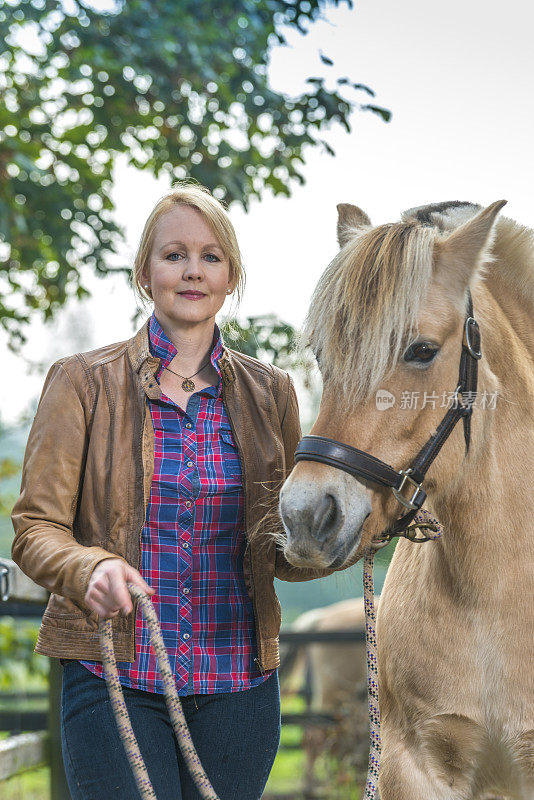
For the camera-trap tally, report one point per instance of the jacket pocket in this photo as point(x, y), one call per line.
point(62, 607)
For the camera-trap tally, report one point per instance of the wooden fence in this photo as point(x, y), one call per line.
point(35, 735)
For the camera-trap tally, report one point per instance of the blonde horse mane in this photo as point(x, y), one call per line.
point(365, 307)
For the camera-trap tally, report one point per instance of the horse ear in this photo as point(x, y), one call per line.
point(350, 219)
point(462, 252)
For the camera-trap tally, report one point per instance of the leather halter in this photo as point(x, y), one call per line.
point(362, 465)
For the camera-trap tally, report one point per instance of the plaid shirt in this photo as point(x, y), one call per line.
point(192, 547)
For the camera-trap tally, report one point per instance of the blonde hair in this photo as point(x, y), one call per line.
point(199, 197)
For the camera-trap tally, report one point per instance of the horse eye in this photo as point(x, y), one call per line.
point(421, 352)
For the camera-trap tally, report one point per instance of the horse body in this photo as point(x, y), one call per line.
point(455, 645)
point(468, 709)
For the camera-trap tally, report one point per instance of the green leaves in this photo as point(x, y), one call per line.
point(179, 87)
point(20, 668)
point(270, 339)
point(383, 112)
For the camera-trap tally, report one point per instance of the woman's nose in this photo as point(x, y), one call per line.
point(193, 269)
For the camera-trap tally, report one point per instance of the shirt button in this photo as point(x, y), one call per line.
point(186, 636)
point(187, 424)
point(190, 464)
point(186, 544)
point(188, 503)
point(186, 590)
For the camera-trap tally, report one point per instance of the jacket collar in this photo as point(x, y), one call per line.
point(144, 363)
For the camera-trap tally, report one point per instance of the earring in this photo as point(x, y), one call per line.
point(228, 291)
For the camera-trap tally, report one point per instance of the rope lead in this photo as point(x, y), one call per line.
point(424, 521)
point(172, 699)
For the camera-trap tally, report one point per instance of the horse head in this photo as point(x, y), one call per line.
point(386, 324)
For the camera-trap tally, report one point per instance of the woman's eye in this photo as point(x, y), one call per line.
point(170, 256)
point(212, 256)
point(421, 352)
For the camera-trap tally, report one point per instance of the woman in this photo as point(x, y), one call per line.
point(154, 460)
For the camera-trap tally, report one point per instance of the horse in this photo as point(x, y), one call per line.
point(337, 676)
point(334, 667)
point(389, 322)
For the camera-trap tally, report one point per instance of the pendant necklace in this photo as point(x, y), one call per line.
point(187, 384)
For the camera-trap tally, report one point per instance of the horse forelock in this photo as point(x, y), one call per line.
point(366, 305)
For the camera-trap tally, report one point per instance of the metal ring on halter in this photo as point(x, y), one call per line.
point(412, 504)
point(475, 353)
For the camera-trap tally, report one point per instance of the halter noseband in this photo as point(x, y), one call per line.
point(360, 464)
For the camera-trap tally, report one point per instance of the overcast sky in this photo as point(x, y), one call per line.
point(459, 79)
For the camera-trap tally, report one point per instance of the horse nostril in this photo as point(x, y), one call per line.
point(325, 517)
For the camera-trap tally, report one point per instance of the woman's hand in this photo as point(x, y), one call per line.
point(107, 593)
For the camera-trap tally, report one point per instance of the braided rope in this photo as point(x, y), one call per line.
point(434, 529)
point(171, 698)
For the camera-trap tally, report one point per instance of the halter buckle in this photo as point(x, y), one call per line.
point(415, 502)
point(467, 341)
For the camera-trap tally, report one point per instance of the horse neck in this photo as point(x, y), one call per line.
point(488, 510)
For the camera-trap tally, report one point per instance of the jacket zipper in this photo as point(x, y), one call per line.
point(243, 470)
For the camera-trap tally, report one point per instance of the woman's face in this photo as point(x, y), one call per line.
point(189, 274)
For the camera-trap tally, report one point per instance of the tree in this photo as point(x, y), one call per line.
point(179, 87)
point(270, 339)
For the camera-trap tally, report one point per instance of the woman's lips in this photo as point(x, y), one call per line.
point(192, 295)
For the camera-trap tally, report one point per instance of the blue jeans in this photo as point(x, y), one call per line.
point(236, 735)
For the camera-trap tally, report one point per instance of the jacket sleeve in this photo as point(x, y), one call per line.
point(291, 434)
point(44, 546)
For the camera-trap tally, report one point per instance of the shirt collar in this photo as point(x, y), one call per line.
point(161, 346)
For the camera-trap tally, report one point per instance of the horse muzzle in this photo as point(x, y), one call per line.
point(322, 516)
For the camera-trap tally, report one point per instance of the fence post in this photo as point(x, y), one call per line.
point(58, 783)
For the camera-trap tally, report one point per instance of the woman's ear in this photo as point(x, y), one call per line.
point(232, 283)
point(144, 280)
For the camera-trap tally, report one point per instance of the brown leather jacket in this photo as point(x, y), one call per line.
point(86, 481)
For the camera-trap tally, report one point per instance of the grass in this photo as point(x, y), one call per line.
point(288, 768)
point(31, 785)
